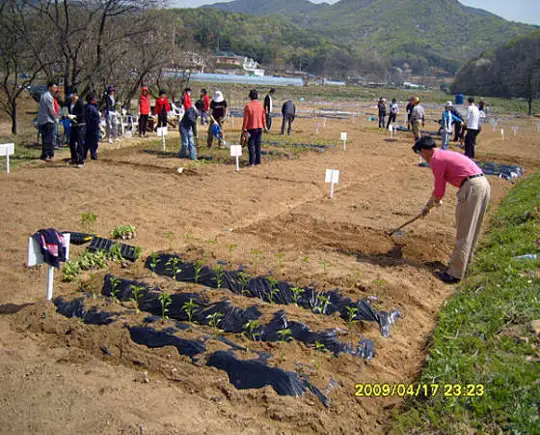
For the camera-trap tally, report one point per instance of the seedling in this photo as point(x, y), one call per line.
point(380, 282)
point(172, 266)
point(249, 329)
point(215, 320)
point(170, 236)
point(71, 271)
point(165, 301)
point(219, 275)
point(198, 267)
point(297, 292)
point(320, 347)
point(285, 334)
point(351, 314)
point(230, 248)
point(190, 308)
point(115, 284)
point(325, 265)
point(124, 232)
point(137, 294)
point(257, 255)
point(88, 220)
point(322, 303)
point(154, 261)
point(115, 253)
point(243, 277)
point(273, 288)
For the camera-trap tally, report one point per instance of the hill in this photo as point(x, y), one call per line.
point(421, 36)
point(286, 7)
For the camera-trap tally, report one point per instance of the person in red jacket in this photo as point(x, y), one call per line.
point(144, 110)
point(162, 108)
point(206, 106)
point(187, 99)
point(254, 122)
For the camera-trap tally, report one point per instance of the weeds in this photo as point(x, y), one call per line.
point(190, 308)
point(165, 301)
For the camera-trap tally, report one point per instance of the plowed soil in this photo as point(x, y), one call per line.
point(58, 375)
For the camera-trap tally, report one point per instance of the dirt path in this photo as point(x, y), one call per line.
point(55, 379)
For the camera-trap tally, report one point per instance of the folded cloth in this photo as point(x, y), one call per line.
point(53, 246)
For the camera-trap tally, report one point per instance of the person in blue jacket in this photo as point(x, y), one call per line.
point(93, 120)
point(447, 124)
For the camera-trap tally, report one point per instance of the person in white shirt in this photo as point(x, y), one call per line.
point(473, 128)
point(394, 111)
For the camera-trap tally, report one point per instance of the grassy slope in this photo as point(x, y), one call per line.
point(483, 336)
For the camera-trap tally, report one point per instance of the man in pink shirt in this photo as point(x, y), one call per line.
point(253, 125)
point(473, 199)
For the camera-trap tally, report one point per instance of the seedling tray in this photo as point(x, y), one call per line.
point(127, 251)
point(80, 238)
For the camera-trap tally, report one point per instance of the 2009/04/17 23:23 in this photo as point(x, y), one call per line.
point(415, 390)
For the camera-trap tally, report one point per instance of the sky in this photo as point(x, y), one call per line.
point(525, 11)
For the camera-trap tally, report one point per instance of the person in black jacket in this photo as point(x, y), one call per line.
point(188, 131)
point(93, 120)
point(458, 126)
point(268, 108)
point(111, 115)
point(381, 105)
point(78, 122)
point(288, 110)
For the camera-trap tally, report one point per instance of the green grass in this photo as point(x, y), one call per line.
point(483, 335)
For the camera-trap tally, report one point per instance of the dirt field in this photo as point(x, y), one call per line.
point(55, 376)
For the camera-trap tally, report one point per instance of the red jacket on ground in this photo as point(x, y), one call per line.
point(206, 101)
point(187, 101)
point(162, 103)
point(254, 116)
point(144, 104)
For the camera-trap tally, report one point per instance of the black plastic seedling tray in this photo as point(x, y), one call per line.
point(128, 252)
point(80, 238)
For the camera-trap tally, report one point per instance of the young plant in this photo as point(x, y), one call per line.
point(351, 314)
point(249, 329)
point(280, 257)
point(244, 281)
point(219, 275)
point(285, 334)
point(170, 236)
point(154, 261)
point(325, 265)
point(136, 291)
point(273, 288)
point(88, 220)
point(215, 320)
point(71, 271)
point(297, 292)
point(257, 255)
point(165, 301)
point(198, 267)
point(115, 287)
point(172, 266)
point(115, 253)
point(190, 308)
point(230, 248)
point(124, 232)
point(322, 302)
point(320, 347)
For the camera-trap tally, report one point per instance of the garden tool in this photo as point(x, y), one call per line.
point(405, 224)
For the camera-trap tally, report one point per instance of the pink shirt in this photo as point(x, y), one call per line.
point(450, 167)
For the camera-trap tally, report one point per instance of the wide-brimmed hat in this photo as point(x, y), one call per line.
point(218, 97)
point(448, 104)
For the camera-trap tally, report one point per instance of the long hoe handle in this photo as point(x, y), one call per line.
point(405, 224)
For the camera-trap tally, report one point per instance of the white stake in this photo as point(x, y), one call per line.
point(344, 139)
point(317, 128)
point(391, 131)
point(538, 126)
point(50, 282)
point(162, 131)
point(502, 133)
point(236, 151)
point(515, 128)
point(332, 177)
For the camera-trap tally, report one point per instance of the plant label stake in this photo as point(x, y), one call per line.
point(538, 126)
point(162, 132)
point(332, 177)
point(344, 139)
point(515, 129)
point(236, 151)
point(317, 128)
point(7, 150)
point(35, 257)
point(502, 133)
point(391, 131)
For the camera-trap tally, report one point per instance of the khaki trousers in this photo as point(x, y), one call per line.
point(473, 199)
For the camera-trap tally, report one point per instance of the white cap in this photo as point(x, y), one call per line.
point(448, 104)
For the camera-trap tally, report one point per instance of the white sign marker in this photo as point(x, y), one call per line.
point(538, 126)
point(502, 133)
point(515, 129)
point(344, 139)
point(236, 151)
point(7, 150)
point(317, 128)
point(391, 131)
point(162, 132)
point(332, 177)
point(35, 257)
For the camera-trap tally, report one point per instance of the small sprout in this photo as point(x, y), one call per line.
point(215, 320)
point(380, 282)
point(320, 347)
point(136, 294)
point(165, 301)
point(172, 266)
point(279, 259)
point(244, 281)
point(351, 312)
point(297, 292)
point(154, 261)
point(285, 334)
point(322, 303)
point(190, 308)
point(170, 236)
point(219, 275)
point(325, 265)
point(88, 220)
point(273, 288)
point(257, 255)
point(249, 329)
point(115, 284)
point(198, 267)
point(230, 248)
